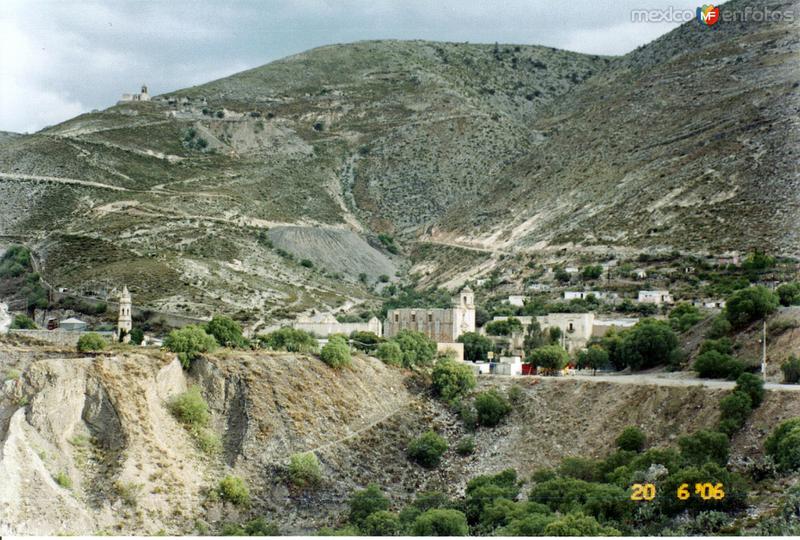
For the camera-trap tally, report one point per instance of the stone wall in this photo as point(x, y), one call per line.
point(61, 338)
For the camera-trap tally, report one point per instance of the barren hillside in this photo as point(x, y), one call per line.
point(103, 423)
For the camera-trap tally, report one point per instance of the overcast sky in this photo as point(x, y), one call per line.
point(60, 58)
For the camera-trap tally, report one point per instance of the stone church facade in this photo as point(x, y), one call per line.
point(443, 325)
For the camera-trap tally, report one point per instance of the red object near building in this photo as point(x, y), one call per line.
point(528, 369)
point(52, 324)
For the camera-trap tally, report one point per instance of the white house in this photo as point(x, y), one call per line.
point(657, 297)
point(516, 300)
point(582, 295)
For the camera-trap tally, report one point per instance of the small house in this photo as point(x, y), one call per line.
point(73, 325)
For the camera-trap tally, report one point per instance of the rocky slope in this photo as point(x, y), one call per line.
point(102, 422)
point(689, 142)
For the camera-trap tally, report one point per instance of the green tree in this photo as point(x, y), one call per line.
point(427, 449)
point(390, 353)
point(750, 304)
point(492, 407)
point(720, 327)
point(550, 357)
point(716, 365)
point(504, 327)
point(290, 340)
point(753, 386)
point(578, 524)
point(650, 343)
point(594, 358)
point(476, 346)
point(452, 380)
point(705, 446)
point(440, 522)
point(418, 349)
point(365, 341)
point(91, 341)
point(561, 275)
point(23, 322)
point(382, 523)
point(336, 353)
point(631, 439)
point(789, 294)
point(189, 343)
point(791, 370)
point(683, 316)
point(783, 445)
point(137, 335)
point(226, 331)
point(365, 502)
point(592, 272)
point(734, 409)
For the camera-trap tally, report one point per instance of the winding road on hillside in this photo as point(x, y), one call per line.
point(656, 379)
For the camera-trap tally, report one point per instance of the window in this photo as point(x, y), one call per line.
point(430, 317)
point(413, 317)
point(396, 317)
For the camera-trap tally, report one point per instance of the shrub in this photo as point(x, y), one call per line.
point(735, 408)
point(137, 335)
point(791, 370)
point(580, 468)
point(631, 439)
point(551, 357)
point(226, 331)
point(91, 341)
point(789, 294)
point(465, 446)
point(440, 522)
point(750, 304)
point(365, 502)
point(12, 375)
point(63, 480)
point(208, 441)
point(381, 523)
point(483, 490)
point(304, 470)
point(650, 343)
point(722, 345)
point(504, 327)
point(365, 341)
point(577, 524)
point(389, 353)
point(705, 446)
point(561, 494)
point(234, 490)
point(684, 316)
point(720, 327)
point(716, 365)
point(417, 348)
point(476, 346)
point(290, 340)
point(452, 380)
point(515, 394)
point(592, 271)
point(531, 525)
point(779, 444)
point(260, 527)
point(336, 353)
point(753, 386)
point(23, 322)
point(190, 408)
point(189, 343)
point(427, 449)
point(491, 407)
point(735, 490)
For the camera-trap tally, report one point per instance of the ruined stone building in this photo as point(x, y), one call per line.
point(142, 96)
point(443, 325)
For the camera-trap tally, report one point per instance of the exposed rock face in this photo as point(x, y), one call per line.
point(102, 423)
point(5, 318)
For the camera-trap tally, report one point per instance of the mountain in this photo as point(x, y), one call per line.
point(274, 191)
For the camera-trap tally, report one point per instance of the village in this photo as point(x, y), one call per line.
point(581, 313)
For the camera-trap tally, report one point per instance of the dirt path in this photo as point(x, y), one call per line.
point(654, 379)
point(60, 180)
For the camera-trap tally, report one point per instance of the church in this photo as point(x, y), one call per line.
point(441, 325)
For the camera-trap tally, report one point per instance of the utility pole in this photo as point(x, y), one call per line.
point(764, 350)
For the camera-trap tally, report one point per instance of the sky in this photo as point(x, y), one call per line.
point(60, 58)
